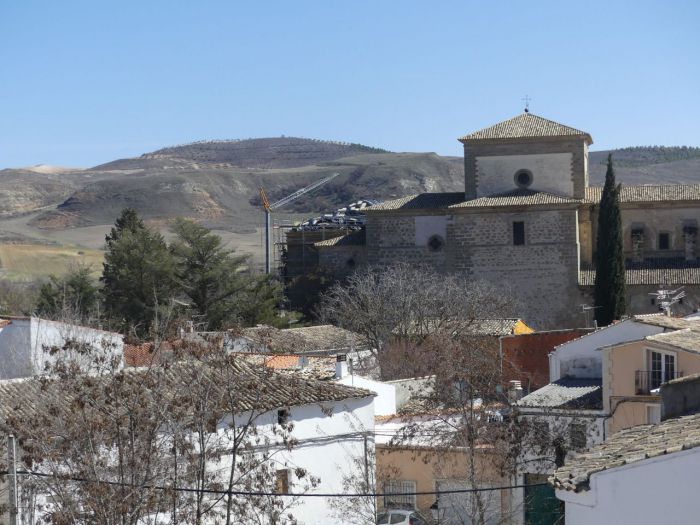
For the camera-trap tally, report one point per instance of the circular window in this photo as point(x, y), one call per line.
point(435, 243)
point(523, 178)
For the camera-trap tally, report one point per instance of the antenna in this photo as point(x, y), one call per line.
point(666, 298)
point(585, 309)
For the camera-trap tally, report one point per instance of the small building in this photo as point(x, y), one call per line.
point(29, 344)
point(645, 474)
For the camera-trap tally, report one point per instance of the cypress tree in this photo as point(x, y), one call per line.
point(609, 293)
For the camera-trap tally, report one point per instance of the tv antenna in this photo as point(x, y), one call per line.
point(666, 298)
point(585, 309)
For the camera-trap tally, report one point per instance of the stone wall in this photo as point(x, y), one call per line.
point(542, 273)
point(341, 261)
point(578, 149)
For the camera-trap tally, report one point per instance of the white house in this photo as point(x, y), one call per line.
point(332, 430)
point(25, 343)
point(642, 475)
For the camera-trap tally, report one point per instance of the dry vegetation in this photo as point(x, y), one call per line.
point(31, 261)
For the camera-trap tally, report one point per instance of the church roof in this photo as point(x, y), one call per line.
point(516, 197)
point(525, 125)
point(655, 276)
point(650, 193)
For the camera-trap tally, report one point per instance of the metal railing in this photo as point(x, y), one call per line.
point(647, 380)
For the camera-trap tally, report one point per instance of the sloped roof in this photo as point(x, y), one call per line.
point(525, 125)
point(650, 193)
point(687, 339)
point(304, 339)
point(450, 201)
point(356, 238)
point(517, 197)
point(664, 321)
point(421, 201)
point(629, 446)
point(271, 390)
point(567, 392)
point(658, 276)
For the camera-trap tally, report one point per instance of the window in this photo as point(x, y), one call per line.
point(653, 414)
point(400, 494)
point(577, 436)
point(282, 481)
point(523, 178)
point(518, 233)
point(435, 243)
point(282, 416)
point(662, 369)
point(664, 241)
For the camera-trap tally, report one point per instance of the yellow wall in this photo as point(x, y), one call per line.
point(427, 466)
point(628, 409)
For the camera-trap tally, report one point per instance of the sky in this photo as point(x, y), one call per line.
point(82, 83)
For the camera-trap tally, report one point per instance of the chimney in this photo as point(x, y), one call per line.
point(515, 391)
point(341, 366)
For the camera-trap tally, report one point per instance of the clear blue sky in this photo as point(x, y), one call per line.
point(86, 82)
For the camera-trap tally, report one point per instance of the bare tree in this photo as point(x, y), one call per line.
point(117, 446)
point(407, 303)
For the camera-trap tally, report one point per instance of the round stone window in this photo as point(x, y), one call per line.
point(436, 243)
point(523, 178)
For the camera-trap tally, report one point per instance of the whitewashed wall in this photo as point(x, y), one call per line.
point(327, 448)
point(581, 358)
point(384, 403)
point(661, 490)
point(23, 343)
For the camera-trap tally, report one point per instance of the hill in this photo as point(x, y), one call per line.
point(217, 182)
point(268, 153)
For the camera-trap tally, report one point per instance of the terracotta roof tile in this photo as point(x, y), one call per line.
point(657, 276)
point(518, 197)
point(571, 393)
point(629, 446)
point(650, 193)
point(525, 125)
point(356, 238)
point(323, 338)
point(687, 339)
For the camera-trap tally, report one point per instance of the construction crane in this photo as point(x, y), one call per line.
point(278, 204)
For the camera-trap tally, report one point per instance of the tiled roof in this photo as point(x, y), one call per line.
point(650, 193)
point(324, 338)
point(448, 201)
point(271, 390)
point(356, 238)
point(5, 322)
point(421, 201)
point(517, 197)
point(629, 446)
point(661, 276)
point(687, 339)
point(525, 125)
point(571, 393)
point(664, 321)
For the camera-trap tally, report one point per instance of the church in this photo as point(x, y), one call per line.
point(526, 222)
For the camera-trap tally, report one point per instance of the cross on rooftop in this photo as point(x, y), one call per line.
point(527, 100)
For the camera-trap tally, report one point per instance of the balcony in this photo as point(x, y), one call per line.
point(647, 380)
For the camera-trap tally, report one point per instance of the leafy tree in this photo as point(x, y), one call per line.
point(609, 292)
point(138, 275)
point(76, 292)
point(211, 276)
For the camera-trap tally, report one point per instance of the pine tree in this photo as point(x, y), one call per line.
point(138, 274)
point(609, 292)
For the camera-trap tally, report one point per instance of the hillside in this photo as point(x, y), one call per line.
point(267, 153)
point(217, 182)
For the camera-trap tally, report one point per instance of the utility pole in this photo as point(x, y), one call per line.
point(12, 474)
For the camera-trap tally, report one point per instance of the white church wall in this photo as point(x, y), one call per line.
point(551, 172)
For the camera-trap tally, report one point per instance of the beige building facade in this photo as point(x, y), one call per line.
point(526, 222)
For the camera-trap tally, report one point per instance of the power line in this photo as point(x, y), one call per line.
point(267, 493)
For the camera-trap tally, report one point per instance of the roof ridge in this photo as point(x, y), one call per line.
point(525, 125)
